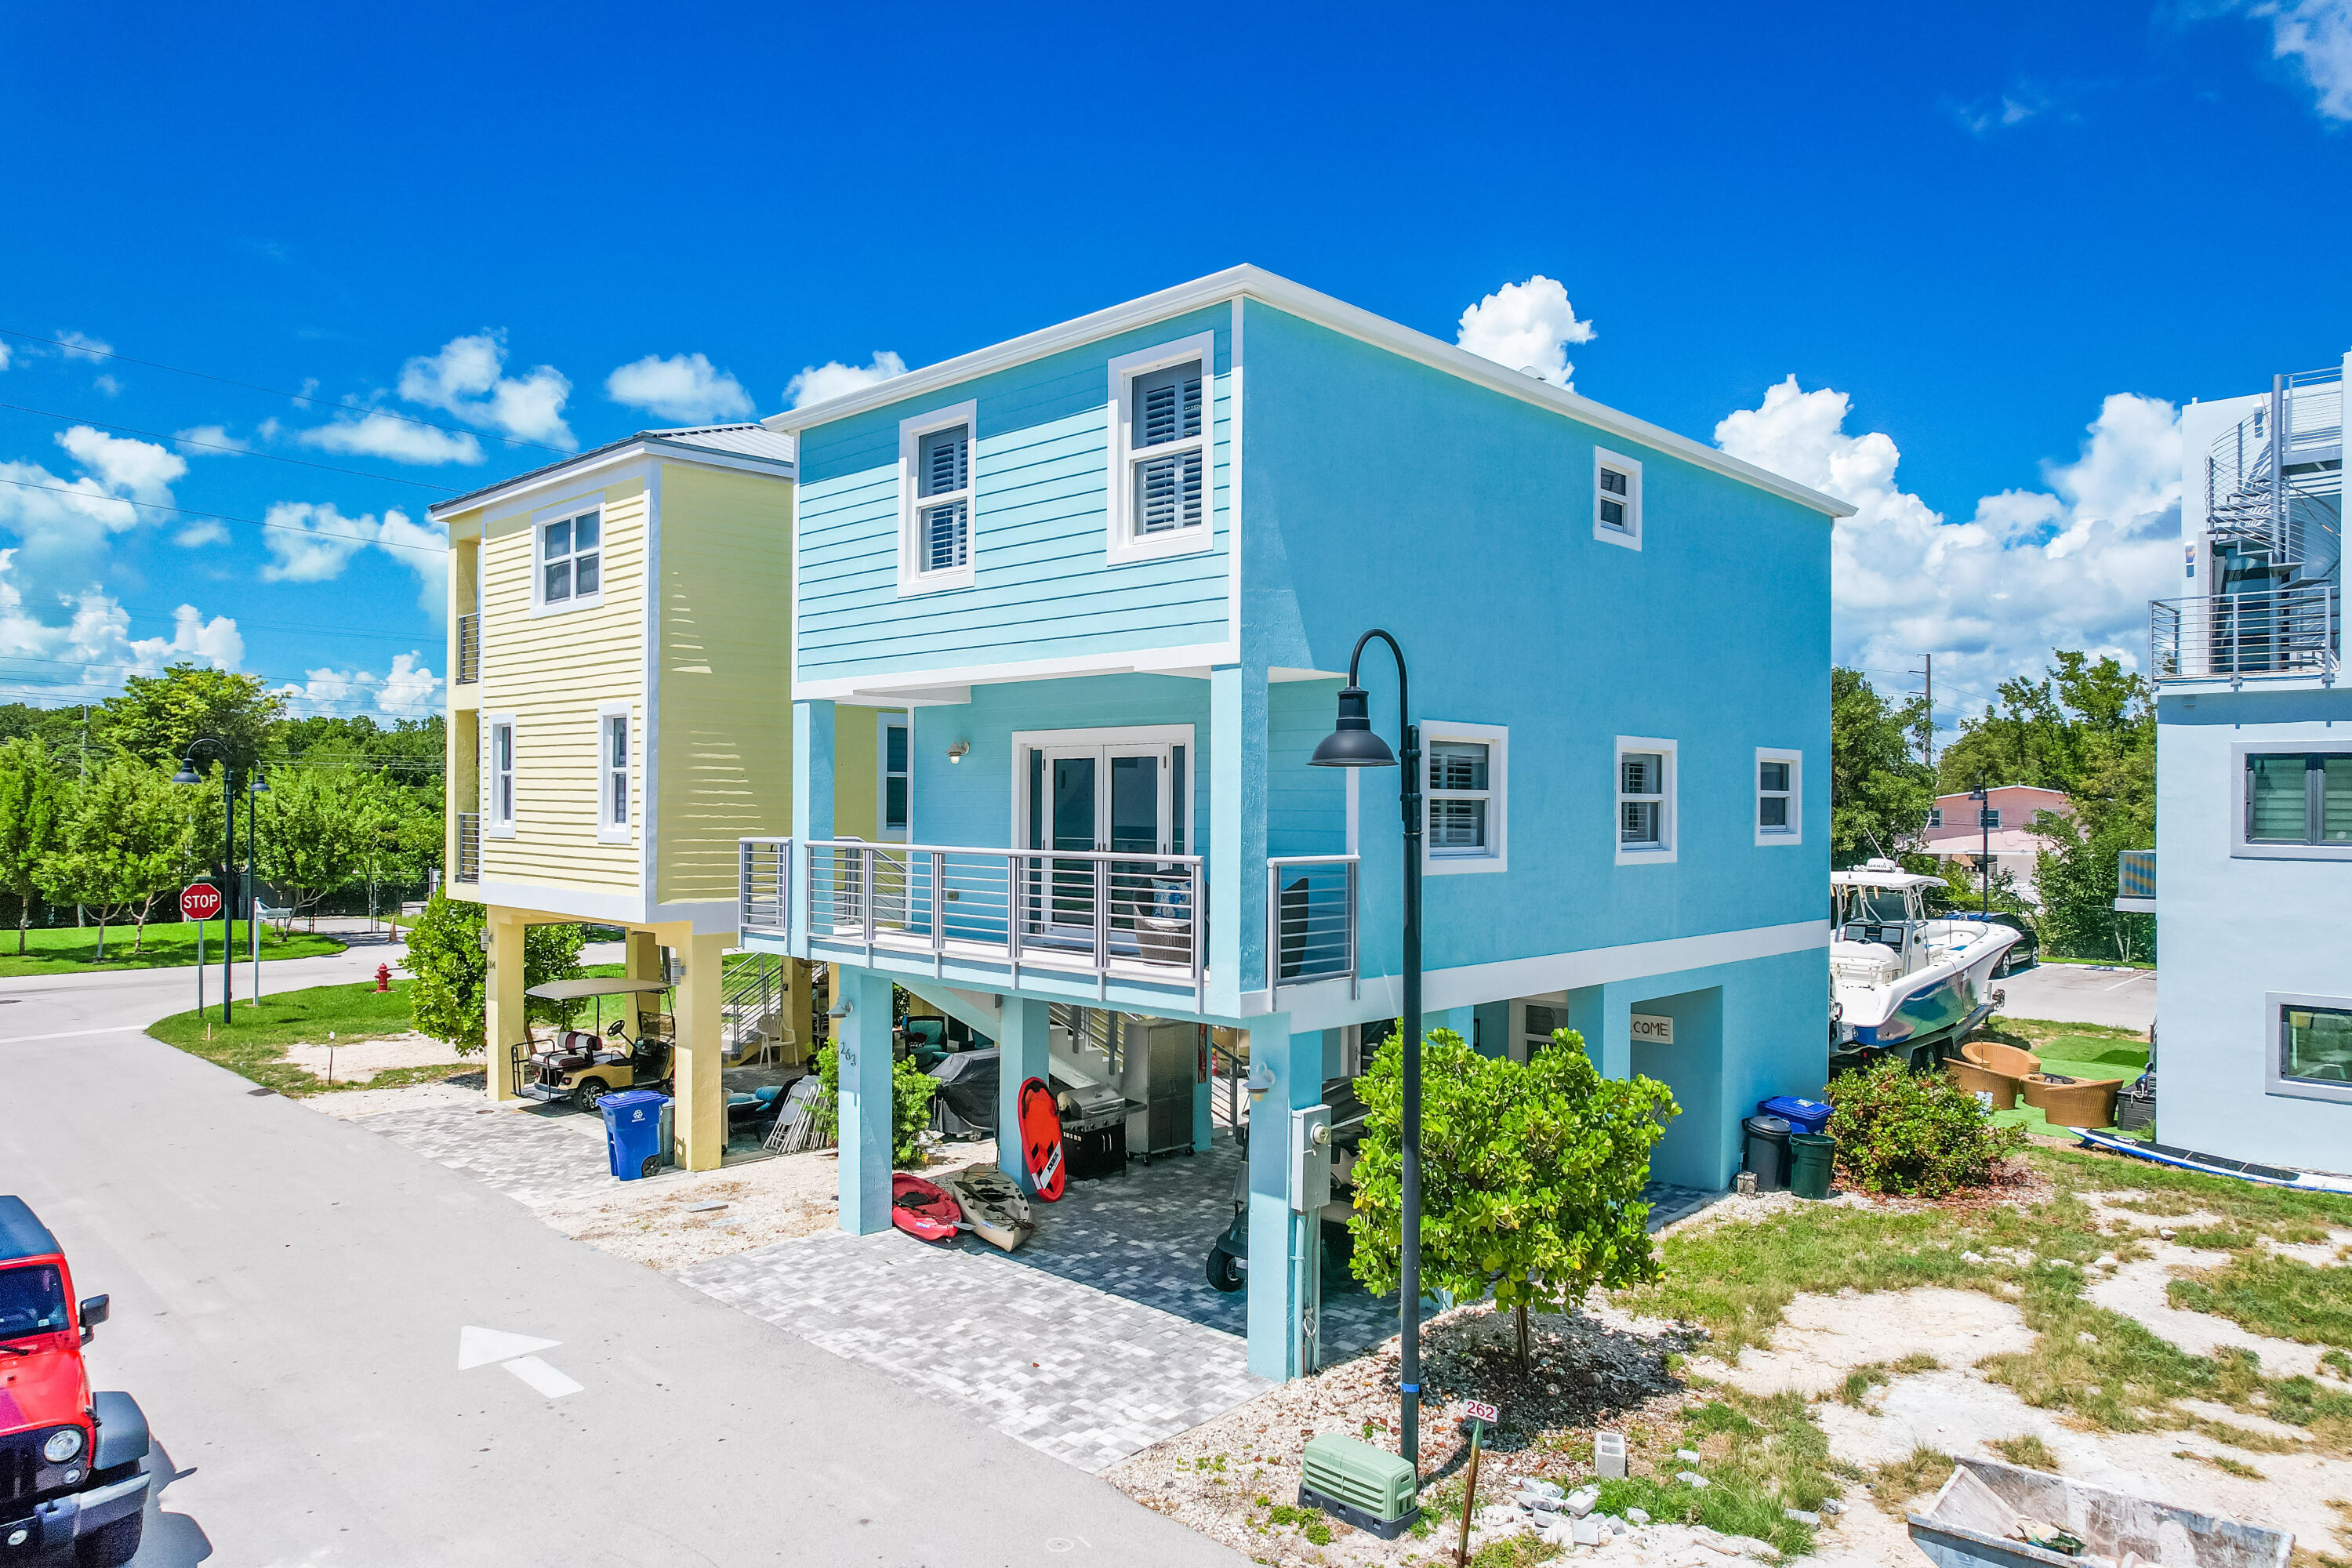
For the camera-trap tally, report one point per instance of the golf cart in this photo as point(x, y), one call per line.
point(1228, 1266)
point(584, 1066)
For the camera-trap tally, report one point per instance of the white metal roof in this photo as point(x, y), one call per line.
point(1299, 300)
point(755, 443)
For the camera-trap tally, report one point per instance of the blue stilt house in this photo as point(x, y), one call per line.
point(1113, 572)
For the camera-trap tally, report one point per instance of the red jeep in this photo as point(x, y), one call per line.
point(73, 1464)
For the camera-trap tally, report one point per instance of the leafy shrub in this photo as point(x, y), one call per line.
point(910, 1111)
point(1917, 1134)
point(445, 955)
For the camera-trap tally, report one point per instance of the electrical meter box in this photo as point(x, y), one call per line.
point(1310, 1159)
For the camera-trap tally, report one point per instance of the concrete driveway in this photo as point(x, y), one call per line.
point(351, 1355)
point(2083, 993)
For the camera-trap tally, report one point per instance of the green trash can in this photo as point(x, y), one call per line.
point(1813, 1156)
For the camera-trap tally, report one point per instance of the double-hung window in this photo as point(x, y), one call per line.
point(1468, 769)
point(571, 560)
point(498, 815)
point(1935, 817)
point(1616, 499)
point(613, 772)
point(935, 511)
point(895, 776)
point(1780, 798)
point(1646, 800)
point(1159, 445)
point(2301, 799)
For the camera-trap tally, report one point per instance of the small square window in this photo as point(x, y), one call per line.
point(2315, 1045)
point(570, 559)
point(1616, 499)
point(1162, 408)
point(1779, 810)
point(1646, 801)
point(1464, 779)
point(1935, 817)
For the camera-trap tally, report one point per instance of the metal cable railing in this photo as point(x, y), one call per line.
point(469, 848)
point(469, 650)
point(2232, 636)
point(763, 887)
point(1310, 913)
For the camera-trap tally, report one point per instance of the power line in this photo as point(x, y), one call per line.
point(139, 664)
point(224, 517)
point(343, 404)
point(217, 447)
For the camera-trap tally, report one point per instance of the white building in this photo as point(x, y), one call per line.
point(2254, 788)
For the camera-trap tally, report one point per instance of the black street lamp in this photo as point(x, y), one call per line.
point(187, 775)
point(254, 791)
point(1984, 858)
point(1353, 745)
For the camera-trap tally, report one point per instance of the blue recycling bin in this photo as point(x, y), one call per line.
point(633, 1124)
point(1807, 1116)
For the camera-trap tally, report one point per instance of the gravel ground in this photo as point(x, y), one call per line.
point(362, 1059)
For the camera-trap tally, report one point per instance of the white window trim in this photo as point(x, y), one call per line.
point(1025, 740)
point(1670, 829)
point(1795, 831)
point(1495, 856)
point(1120, 545)
point(2275, 1078)
point(2240, 847)
point(884, 723)
point(608, 831)
point(1630, 538)
point(912, 578)
point(494, 826)
point(594, 501)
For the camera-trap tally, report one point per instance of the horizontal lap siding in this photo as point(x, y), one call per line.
point(551, 672)
point(1306, 806)
point(725, 760)
point(1042, 588)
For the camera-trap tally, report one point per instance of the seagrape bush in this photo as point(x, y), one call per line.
point(1914, 1135)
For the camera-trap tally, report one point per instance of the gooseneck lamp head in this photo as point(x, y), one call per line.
point(1353, 744)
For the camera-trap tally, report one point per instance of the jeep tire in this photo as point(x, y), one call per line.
point(111, 1545)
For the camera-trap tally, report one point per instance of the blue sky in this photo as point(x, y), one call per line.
point(1971, 235)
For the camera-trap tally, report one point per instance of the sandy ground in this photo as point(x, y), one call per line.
point(410, 1097)
point(1822, 1338)
point(362, 1060)
point(670, 1220)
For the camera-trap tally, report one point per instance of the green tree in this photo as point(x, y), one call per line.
point(317, 826)
point(158, 716)
point(32, 819)
point(448, 999)
point(1531, 1174)
point(1879, 791)
point(122, 844)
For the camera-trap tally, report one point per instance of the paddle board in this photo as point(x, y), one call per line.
point(993, 1206)
point(1041, 1140)
point(922, 1210)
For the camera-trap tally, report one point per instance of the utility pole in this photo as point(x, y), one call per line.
point(1928, 674)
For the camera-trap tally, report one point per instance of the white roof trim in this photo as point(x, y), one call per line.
point(1337, 314)
point(597, 458)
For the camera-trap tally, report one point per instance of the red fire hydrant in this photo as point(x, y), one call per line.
point(383, 976)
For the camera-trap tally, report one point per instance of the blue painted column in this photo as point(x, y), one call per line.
point(1022, 1041)
point(1604, 1015)
point(1204, 1121)
point(812, 804)
point(1279, 1240)
point(864, 1171)
point(1236, 845)
point(1461, 1020)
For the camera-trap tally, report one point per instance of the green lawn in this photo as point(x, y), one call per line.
point(2069, 1050)
point(72, 949)
point(254, 1044)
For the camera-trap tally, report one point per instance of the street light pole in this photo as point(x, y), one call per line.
point(1984, 856)
point(1353, 745)
point(188, 775)
point(253, 792)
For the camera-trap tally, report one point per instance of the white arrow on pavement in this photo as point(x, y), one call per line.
point(542, 1377)
point(480, 1347)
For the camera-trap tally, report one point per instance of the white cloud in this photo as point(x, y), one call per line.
point(201, 534)
point(685, 388)
point(382, 436)
point(408, 690)
point(2012, 108)
point(2318, 35)
point(312, 543)
point(3, 353)
point(817, 382)
point(141, 469)
point(2072, 566)
point(65, 525)
point(82, 345)
point(88, 657)
point(109, 385)
point(207, 441)
point(1527, 326)
point(468, 378)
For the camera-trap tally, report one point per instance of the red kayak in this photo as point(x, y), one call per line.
point(923, 1211)
point(1041, 1140)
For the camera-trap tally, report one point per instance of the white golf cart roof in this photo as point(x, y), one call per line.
point(578, 990)
point(1883, 874)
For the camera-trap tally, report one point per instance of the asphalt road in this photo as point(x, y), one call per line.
point(2082, 993)
point(290, 1293)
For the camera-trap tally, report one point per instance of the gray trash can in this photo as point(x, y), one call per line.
point(1768, 1152)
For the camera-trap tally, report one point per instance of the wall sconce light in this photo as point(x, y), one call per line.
point(958, 749)
point(1260, 1083)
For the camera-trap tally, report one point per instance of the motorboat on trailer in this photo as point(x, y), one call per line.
point(1900, 982)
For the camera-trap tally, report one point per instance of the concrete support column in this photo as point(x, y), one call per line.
point(865, 1163)
point(799, 1003)
point(1602, 1015)
point(504, 1028)
point(698, 1120)
point(1281, 1243)
point(1022, 1039)
point(641, 960)
point(812, 804)
point(1235, 843)
point(1204, 1120)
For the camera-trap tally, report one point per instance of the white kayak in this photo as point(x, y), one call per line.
point(993, 1206)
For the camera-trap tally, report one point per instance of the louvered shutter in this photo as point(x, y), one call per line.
point(943, 468)
point(1169, 490)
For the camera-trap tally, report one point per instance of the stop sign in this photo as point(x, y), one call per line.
point(201, 902)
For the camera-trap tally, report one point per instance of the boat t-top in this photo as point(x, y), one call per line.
point(1901, 981)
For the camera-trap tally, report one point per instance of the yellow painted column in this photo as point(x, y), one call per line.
point(642, 961)
point(832, 989)
point(799, 1003)
point(504, 1028)
point(699, 1117)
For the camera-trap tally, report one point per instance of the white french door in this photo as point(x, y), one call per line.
point(1119, 796)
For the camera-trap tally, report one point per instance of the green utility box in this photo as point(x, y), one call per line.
point(1359, 1483)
